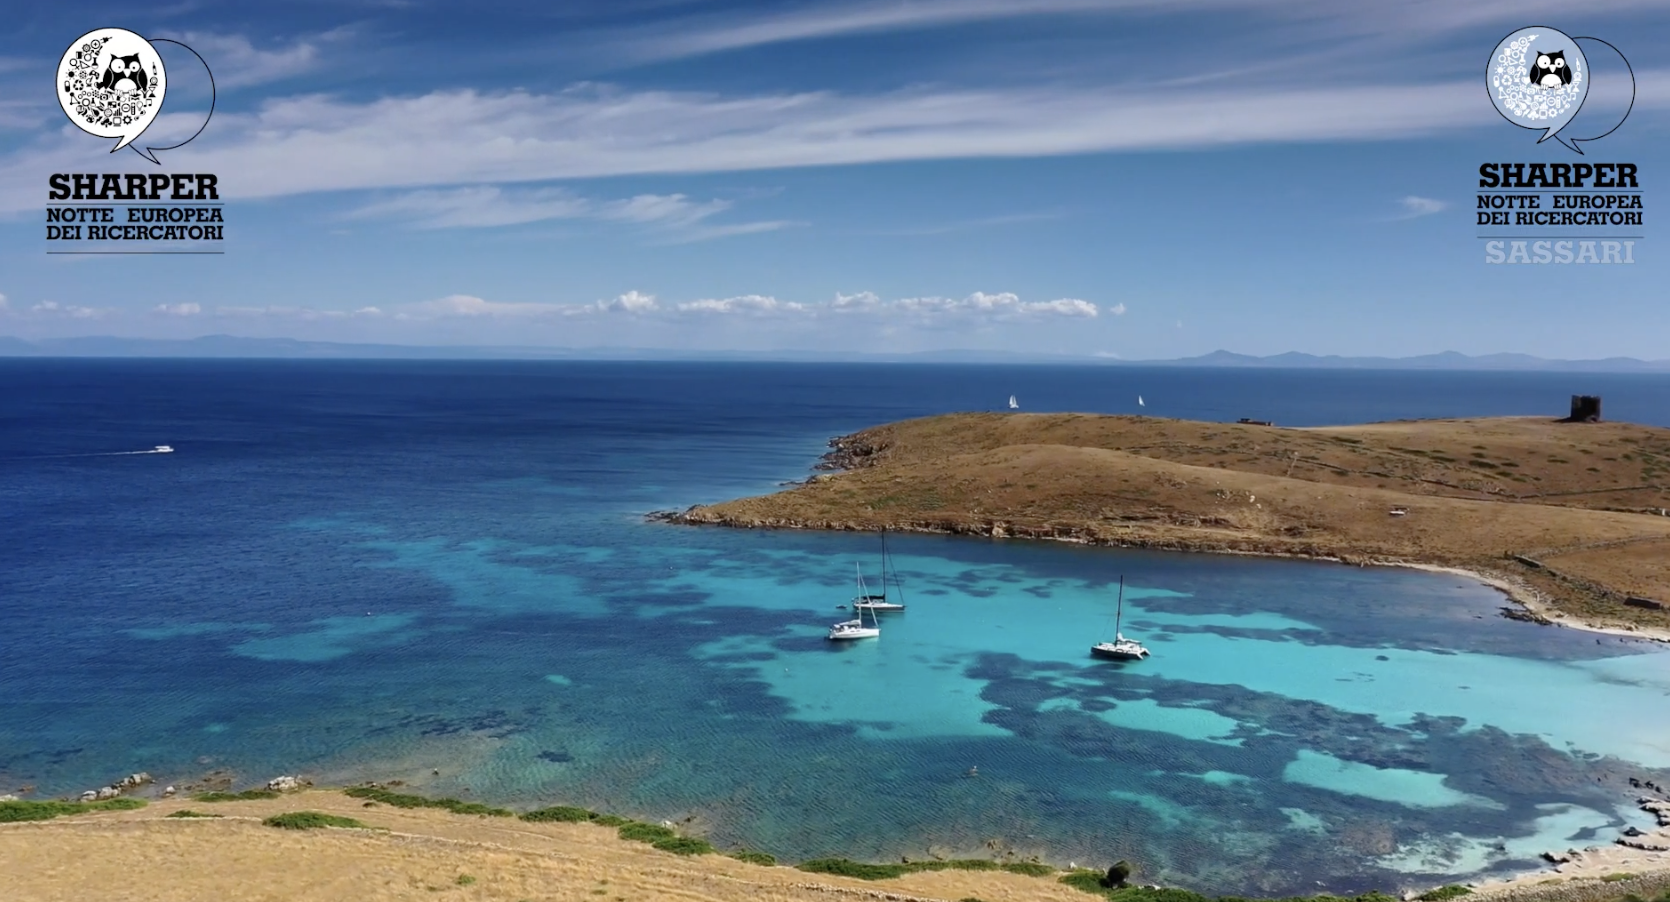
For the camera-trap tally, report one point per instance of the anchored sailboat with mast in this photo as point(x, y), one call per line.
point(855, 629)
point(879, 603)
point(1121, 648)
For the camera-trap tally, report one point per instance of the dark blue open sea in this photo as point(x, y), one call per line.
point(361, 570)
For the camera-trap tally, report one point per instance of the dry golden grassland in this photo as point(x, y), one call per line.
point(1583, 499)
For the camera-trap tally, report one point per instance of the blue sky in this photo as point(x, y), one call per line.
point(1140, 178)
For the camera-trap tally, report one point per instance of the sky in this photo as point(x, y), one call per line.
point(1121, 178)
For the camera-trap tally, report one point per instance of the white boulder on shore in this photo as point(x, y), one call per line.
point(131, 781)
point(286, 783)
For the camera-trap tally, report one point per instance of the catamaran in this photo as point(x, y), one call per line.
point(1013, 404)
point(855, 629)
point(1121, 648)
point(875, 603)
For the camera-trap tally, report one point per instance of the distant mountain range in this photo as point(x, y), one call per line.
point(233, 346)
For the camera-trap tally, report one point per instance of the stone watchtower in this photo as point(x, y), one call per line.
point(1584, 409)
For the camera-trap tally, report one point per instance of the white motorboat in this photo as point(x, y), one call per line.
point(1121, 648)
point(163, 449)
point(856, 629)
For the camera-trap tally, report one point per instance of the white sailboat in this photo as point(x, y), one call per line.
point(855, 629)
point(1013, 404)
point(1139, 401)
point(876, 603)
point(1121, 648)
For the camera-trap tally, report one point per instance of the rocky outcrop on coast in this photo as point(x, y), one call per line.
point(127, 783)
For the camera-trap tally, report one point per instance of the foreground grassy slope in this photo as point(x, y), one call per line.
point(1584, 498)
point(389, 847)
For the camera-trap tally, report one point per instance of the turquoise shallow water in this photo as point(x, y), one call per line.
point(444, 568)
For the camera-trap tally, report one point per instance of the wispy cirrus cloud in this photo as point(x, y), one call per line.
point(674, 218)
point(1415, 206)
point(237, 62)
point(317, 144)
point(718, 33)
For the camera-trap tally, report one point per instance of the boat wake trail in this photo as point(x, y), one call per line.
point(159, 449)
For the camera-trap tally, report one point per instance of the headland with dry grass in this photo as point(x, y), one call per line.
point(1569, 518)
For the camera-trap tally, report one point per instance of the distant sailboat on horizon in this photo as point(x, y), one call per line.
point(1139, 401)
point(1013, 404)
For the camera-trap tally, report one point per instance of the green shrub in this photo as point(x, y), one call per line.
point(311, 820)
point(1165, 894)
point(560, 814)
point(247, 795)
point(761, 858)
point(650, 833)
point(14, 811)
point(685, 845)
point(1615, 878)
point(846, 867)
point(187, 812)
point(406, 800)
point(1028, 868)
point(610, 820)
point(1118, 874)
point(464, 880)
point(1084, 879)
point(1444, 892)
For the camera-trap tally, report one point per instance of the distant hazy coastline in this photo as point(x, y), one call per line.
point(236, 346)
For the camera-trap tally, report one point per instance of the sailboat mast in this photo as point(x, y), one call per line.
point(1119, 613)
point(884, 565)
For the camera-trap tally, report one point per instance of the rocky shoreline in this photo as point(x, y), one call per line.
point(1637, 863)
point(856, 452)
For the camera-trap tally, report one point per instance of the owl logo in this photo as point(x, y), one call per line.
point(111, 83)
point(125, 75)
point(1549, 69)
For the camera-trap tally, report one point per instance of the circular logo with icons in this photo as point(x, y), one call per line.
point(111, 84)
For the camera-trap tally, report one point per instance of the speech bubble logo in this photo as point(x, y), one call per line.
point(111, 83)
point(1538, 78)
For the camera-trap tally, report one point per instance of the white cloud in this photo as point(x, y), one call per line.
point(476, 207)
point(183, 309)
point(55, 310)
point(471, 306)
point(976, 307)
point(1116, 310)
point(299, 313)
point(863, 301)
point(677, 217)
point(1002, 305)
point(694, 36)
point(748, 303)
point(630, 302)
point(634, 303)
point(317, 143)
point(237, 63)
point(1414, 206)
